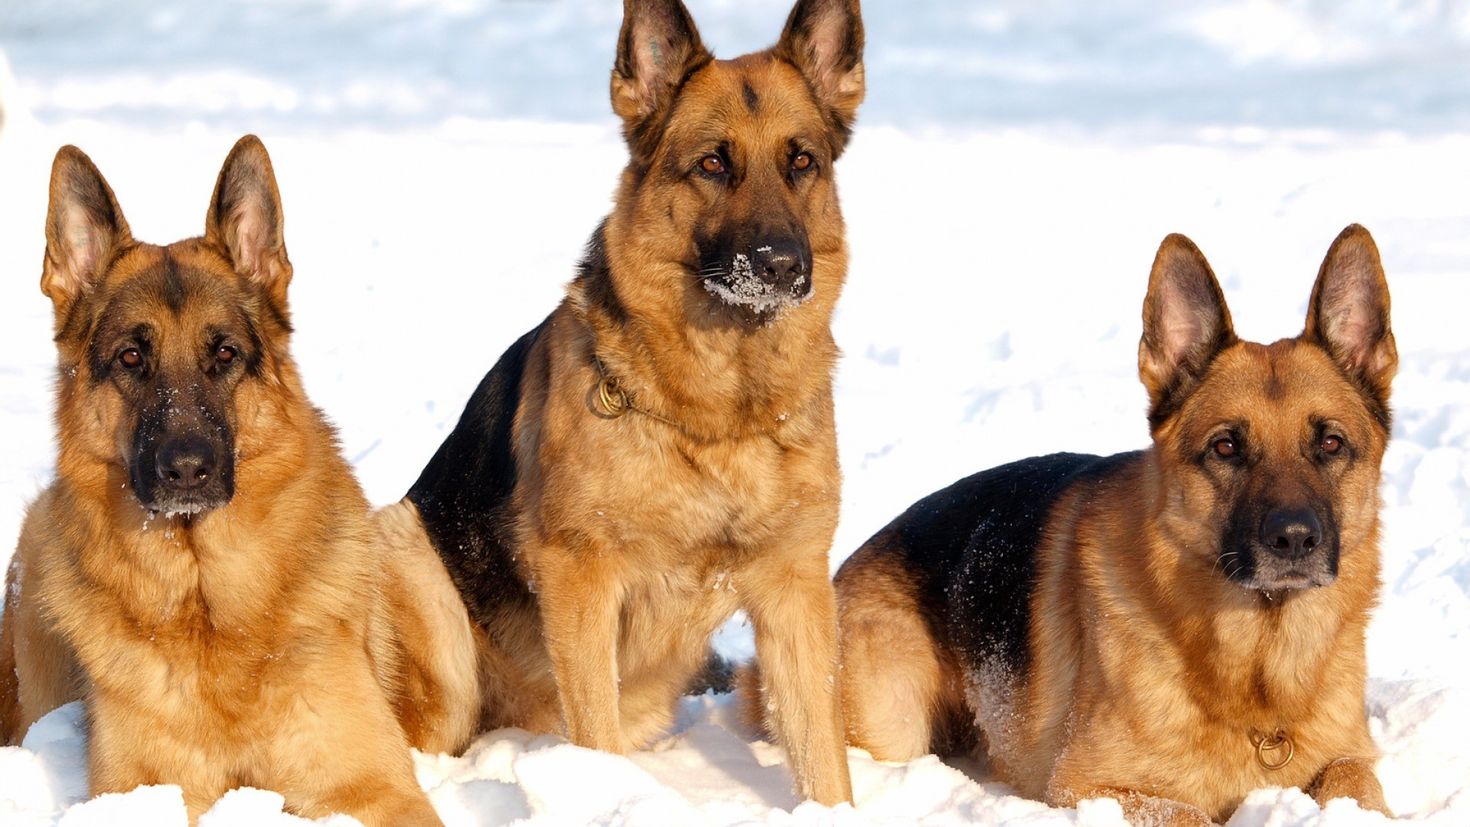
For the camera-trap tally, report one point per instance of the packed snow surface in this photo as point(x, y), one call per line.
point(1016, 164)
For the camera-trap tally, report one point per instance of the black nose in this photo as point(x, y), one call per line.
point(779, 261)
point(1291, 533)
point(185, 463)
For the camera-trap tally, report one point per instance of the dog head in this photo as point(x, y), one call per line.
point(160, 346)
point(730, 191)
point(1270, 453)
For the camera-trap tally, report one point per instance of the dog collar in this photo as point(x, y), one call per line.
point(613, 400)
point(1273, 751)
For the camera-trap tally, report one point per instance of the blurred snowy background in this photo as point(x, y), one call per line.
point(1016, 163)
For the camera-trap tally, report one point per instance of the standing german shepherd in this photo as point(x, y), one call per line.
point(660, 451)
point(203, 573)
point(1173, 628)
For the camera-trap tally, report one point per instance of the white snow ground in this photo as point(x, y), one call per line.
point(442, 162)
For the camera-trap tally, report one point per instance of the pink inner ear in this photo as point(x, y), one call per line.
point(650, 56)
point(84, 244)
point(1348, 324)
point(651, 52)
point(248, 239)
point(654, 59)
point(826, 39)
point(250, 246)
point(256, 251)
point(1179, 333)
point(1182, 326)
point(81, 256)
point(824, 47)
point(1349, 316)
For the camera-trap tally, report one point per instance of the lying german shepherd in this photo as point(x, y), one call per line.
point(1173, 628)
point(203, 572)
point(660, 451)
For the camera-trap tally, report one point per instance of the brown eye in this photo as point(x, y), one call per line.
point(224, 354)
point(712, 164)
point(130, 358)
point(1225, 447)
point(1331, 444)
point(802, 162)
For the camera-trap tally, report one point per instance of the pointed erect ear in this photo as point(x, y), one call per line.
point(245, 219)
point(84, 229)
point(657, 48)
point(1185, 323)
point(824, 39)
point(1348, 312)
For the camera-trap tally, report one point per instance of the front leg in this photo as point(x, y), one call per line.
point(128, 748)
point(1139, 809)
point(794, 611)
point(580, 604)
point(1350, 778)
point(44, 672)
point(334, 745)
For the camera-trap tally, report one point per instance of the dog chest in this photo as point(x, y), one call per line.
point(735, 494)
point(184, 672)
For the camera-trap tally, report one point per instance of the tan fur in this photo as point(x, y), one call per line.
point(638, 536)
point(267, 642)
point(920, 701)
point(437, 677)
point(1149, 669)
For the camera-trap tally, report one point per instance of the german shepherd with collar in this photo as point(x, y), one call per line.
point(660, 451)
point(1174, 627)
point(204, 572)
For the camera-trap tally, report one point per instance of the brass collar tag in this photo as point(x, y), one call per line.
point(612, 400)
point(1273, 751)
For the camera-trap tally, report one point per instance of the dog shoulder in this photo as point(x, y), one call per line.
point(463, 495)
point(972, 548)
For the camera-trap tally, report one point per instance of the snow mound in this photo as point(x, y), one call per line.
point(711, 773)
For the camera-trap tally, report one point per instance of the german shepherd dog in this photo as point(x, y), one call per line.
point(204, 572)
point(1174, 627)
point(660, 451)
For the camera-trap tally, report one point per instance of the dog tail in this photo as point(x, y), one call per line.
point(717, 676)
point(9, 682)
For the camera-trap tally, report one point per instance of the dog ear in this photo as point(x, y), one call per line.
point(245, 219)
point(658, 48)
point(1185, 323)
point(1348, 314)
point(84, 230)
point(824, 39)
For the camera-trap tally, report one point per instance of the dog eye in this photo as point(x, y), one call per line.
point(1225, 447)
point(802, 162)
point(1331, 444)
point(130, 358)
point(712, 164)
point(224, 354)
